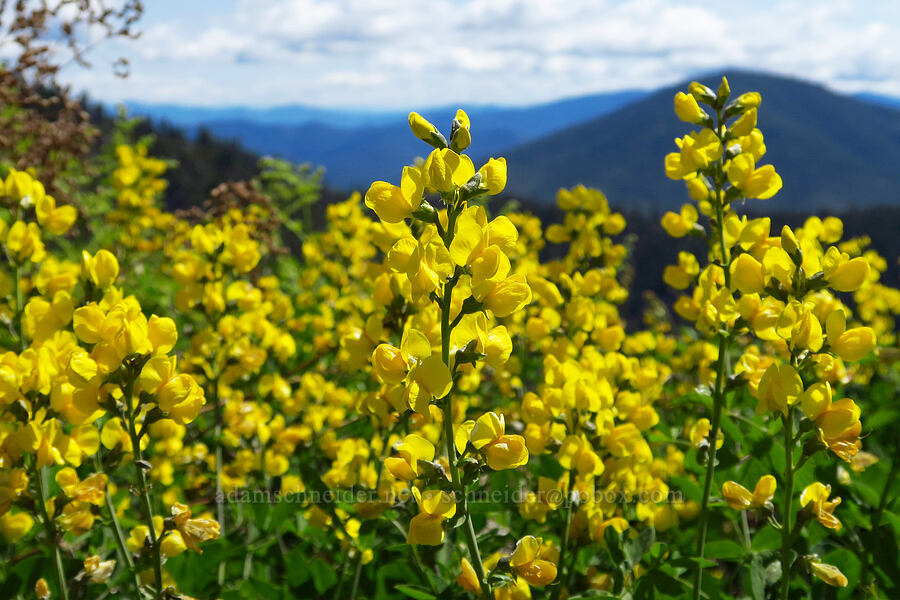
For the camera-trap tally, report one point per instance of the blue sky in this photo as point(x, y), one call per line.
point(400, 53)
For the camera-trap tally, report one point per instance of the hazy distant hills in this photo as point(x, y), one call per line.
point(357, 147)
point(833, 151)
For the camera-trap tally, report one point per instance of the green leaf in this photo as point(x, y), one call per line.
point(757, 578)
point(724, 550)
point(415, 592)
point(613, 545)
point(766, 539)
point(323, 575)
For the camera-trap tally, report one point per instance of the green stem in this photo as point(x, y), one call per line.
point(560, 576)
point(142, 485)
point(721, 376)
point(718, 402)
point(356, 575)
point(50, 530)
point(447, 404)
point(118, 533)
point(786, 538)
point(220, 497)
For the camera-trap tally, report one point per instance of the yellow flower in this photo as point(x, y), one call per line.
point(468, 579)
point(687, 109)
point(814, 498)
point(502, 451)
point(461, 137)
point(444, 170)
point(41, 589)
point(98, 571)
point(493, 175)
point(747, 275)
point(194, 531)
point(394, 203)
point(527, 564)
point(827, 573)
point(102, 269)
point(427, 528)
point(679, 225)
point(850, 344)
point(421, 128)
point(740, 498)
point(779, 388)
point(760, 183)
point(410, 451)
point(14, 526)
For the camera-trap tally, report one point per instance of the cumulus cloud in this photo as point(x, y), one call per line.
point(392, 53)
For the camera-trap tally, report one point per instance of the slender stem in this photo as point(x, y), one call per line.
point(142, 485)
point(356, 575)
point(118, 533)
point(560, 576)
point(50, 530)
point(447, 403)
point(786, 537)
point(721, 372)
point(220, 497)
point(718, 401)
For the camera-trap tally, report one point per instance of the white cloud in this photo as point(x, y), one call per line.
point(403, 52)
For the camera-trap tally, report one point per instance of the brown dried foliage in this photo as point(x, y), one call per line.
point(41, 125)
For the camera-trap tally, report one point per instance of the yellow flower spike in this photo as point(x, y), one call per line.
point(468, 579)
point(493, 176)
point(814, 498)
point(779, 388)
point(687, 109)
point(410, 451)
point(527, 564)
point(740, 498)
point(748, 275)
point(679, 225)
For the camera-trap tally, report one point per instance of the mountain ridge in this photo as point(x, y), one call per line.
point(834, 152)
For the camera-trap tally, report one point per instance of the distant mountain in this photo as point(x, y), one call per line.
point(357, 147)
point(891, 101)
point(833, 151)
